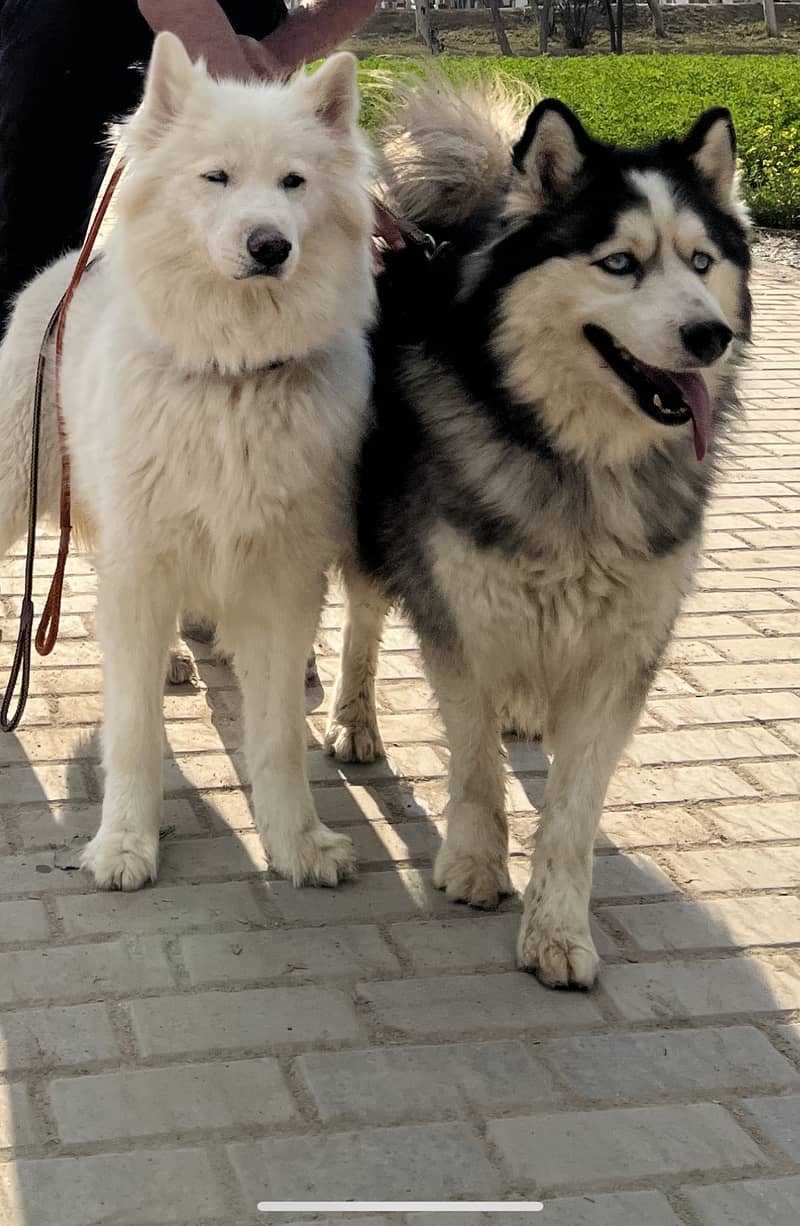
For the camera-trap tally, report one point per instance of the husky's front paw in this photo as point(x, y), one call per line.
point(319, 857)
point(555, 943)
point(121, 861)
point(181, 667)
point(481, 881)
point(357, 740)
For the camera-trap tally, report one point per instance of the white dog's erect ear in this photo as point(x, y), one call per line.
point(334, 92)
point(711, 147)
point(169, 80)
point(551, 152)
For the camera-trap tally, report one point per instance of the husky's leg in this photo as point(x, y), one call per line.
point(472, 864)
point(353, 734)
point(270, 648)
point(180, 666)
point(554, 939)
point(136, 615)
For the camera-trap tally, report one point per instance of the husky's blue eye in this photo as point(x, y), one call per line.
point(216, 176)
point(620, 264)
point(292, 181)
point(701, 262)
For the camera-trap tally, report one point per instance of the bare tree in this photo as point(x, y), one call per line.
point(658, 17)
point(544, 24)
point(620, 25)
point(612, 29)
point(499, 28)
point(770, 18)
point(425, 29)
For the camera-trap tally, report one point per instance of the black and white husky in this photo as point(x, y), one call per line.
point(552, 394)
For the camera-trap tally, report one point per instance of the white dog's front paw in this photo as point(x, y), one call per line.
point(121, 861)
point(481, 881)
point(318, 857)
point(181, 667)
point(554, 941)
point(357, 740)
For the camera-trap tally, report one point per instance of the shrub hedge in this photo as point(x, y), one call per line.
point(637, 99)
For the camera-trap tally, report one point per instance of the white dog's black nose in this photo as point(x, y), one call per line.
point(706, 341)
point(268, 247)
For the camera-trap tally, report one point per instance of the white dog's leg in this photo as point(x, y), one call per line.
point(472, 864)
point(270, 651)
point(554, 938)
point(180, 661)
point(136, 619)
point(353, 734)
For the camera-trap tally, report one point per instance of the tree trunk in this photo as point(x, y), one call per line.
point(544, 24)
point(425, 29)
point(658, 17)
point(499, 28)
point(771, 18)
point(612, 29)
point(620, 25)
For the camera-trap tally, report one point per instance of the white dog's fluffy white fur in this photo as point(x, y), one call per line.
point(210, 477)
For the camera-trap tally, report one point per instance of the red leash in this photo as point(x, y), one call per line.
point(47, 633)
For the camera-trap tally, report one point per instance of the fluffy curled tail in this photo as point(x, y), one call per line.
point(445, 147)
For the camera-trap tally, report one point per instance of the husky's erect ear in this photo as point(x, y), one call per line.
point(334, 92)
point(711, 148)
point(550, 153)
point(169, 80)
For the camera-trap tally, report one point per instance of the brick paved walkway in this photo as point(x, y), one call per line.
point(175, 1055)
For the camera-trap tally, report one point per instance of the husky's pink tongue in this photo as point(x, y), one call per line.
point(695, 396)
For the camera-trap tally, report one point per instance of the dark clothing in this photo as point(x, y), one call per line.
point(67, 69)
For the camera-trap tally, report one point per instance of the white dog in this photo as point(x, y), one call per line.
point(214, 385)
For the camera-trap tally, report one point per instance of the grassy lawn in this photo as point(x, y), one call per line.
point(636, 99)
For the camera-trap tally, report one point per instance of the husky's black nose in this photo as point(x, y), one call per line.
point(706, 341)
point(268, 247)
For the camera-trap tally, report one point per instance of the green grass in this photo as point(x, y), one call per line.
point(637, 99)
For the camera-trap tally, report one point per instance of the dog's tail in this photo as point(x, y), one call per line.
point(446, 148)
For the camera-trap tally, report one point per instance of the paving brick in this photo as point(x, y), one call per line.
point(701, 989)
point(628, 875)
point(727, 709)
point(162, 909)
point(117, 968)
point(465, 1004)
point(714, 678)
point(54, 1036)
point(426, 1162)
point(41, 782)
point(737, 868)
point(747, 1202)
point(623, 1143)
point(756, 821)
point(373, 896)
point(111, 1106)
point(302, 953)
point(43, 828)
point(778, 1119)
point(25, 920)
point(17, 1128)
point(640, 785)
point(397, 1082)
point(231, 1021)
point(649, 748)
point(139, 1189)
point(661, 826)
point(779, 778)
point(667, 1062)
point(725, 923)
point(480, 941)
point(595, 1209)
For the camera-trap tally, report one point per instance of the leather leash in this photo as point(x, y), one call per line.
point(47, 633)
